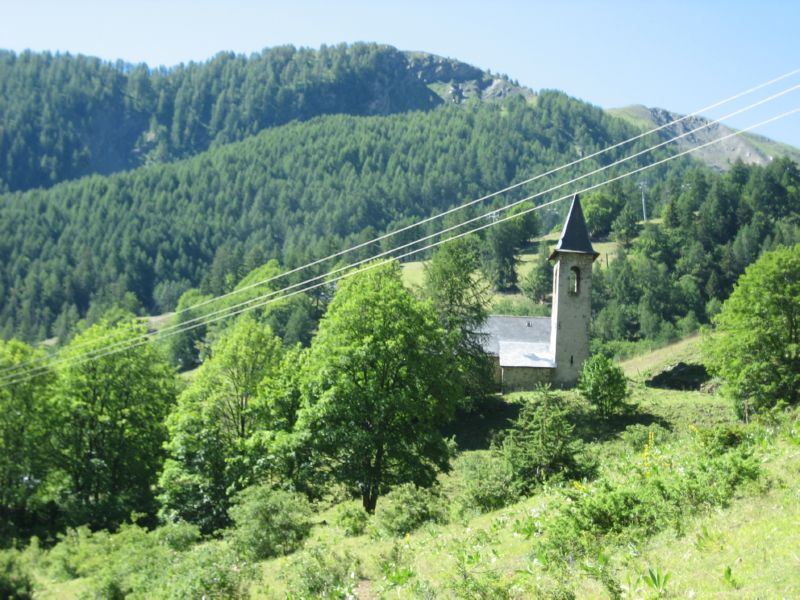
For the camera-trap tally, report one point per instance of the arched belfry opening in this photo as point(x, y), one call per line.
point(574, 283)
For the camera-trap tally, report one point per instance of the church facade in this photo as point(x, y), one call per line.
point(532, 350)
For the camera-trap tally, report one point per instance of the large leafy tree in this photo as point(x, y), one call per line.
point(212, 423)
point(755, 344)
point(111, 409)
point(377, 387)
point(26, 419)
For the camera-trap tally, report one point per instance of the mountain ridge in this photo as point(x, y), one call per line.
point(748, 147)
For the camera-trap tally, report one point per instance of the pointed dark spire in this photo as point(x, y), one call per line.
point(575, 237)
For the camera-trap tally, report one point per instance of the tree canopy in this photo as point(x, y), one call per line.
point(755, 343)
point(377, 387)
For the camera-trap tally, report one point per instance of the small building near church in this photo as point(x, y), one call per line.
point(532, 350)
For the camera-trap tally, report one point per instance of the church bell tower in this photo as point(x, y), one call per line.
point(572, 297)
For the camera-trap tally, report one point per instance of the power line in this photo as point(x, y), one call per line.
point(204, 317)
point(94, 355)
point(382, 237)
point(9, 372)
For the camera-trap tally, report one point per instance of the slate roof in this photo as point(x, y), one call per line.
point(526, 354)
point(575, 235)
point(530, 330)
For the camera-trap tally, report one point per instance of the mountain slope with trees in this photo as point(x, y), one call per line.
point(64, 116)
point(293, 193)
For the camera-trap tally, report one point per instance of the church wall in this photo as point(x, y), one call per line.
point(517, 379)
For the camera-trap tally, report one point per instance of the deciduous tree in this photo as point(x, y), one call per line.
point(755, 343)
point(377, 389)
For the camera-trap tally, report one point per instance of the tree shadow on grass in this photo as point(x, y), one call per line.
point(591, 427)
point(474, 429)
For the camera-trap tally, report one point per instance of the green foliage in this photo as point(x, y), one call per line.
point(16, 583)
point(538, 282)
point(215, 419)
point(179, 536)
point(378, 387)
point(461, 299)
point(603, 384)
point(655, 492)
point(540, 445)
point(502, 245)
point(601, 209)
point(755, 345)
point(111, 413)
point(657, 580)
point(69, 116)
point(480, 482)
point(352, 518)
point(206, 221)
point(210, 570)
point(473, 575)
point(26, 422)
point(407, 507)
point(268, 522)
point(625, 227)
point(322, 572)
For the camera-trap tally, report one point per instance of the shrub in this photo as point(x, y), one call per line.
point(352, 518)
point(407, 507)
point(658, 494)
point(603, 384)
point(268, 522)
point(180, 536)
point(480, 482)
point(210, 570)
point(130, 562)
point(637, 435)
point(540, 445)
point(78, 553)
point(322, 572)
point(16, 583)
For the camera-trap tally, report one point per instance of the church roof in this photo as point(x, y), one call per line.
point(499, 329)
point(575, 235)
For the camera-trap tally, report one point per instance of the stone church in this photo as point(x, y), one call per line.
point(531, 350)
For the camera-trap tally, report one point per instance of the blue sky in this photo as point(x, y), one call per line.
point(681, 55)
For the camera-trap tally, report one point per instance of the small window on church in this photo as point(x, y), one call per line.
point(574, 280)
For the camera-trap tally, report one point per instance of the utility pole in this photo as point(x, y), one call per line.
point(643, 186)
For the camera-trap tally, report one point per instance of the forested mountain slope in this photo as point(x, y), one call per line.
point(64, 116)
point(293, 193)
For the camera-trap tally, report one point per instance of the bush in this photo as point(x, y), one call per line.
point(78, 553)
point(540, 445)
point(604, 385)
point(480, 482)
point(180, 536)
point(658, 493)
point(322, 572)
point(637, 435)
point(16, 583)
point(130, 562)
point(352, 518)
point(268, 522)
point(407, 507)
point(211, 570)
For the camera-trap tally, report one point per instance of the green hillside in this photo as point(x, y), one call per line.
point(737, 544)
point(294, 193)
point(64, 116)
